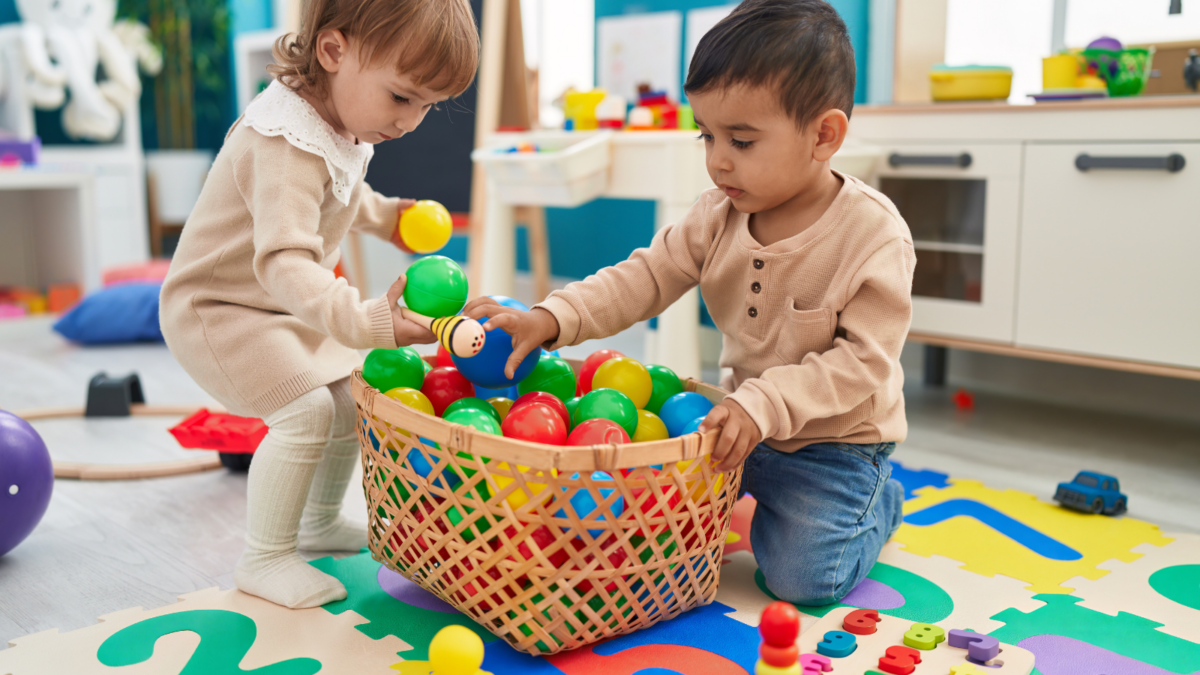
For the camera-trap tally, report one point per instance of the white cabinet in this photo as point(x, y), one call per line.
point(961, 203)
point(1109, 256)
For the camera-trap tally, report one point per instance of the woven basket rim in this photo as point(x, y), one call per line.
point(542, 456)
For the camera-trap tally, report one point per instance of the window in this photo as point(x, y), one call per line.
point(1089, 481)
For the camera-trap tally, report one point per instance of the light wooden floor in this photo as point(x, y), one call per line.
point(106, 546)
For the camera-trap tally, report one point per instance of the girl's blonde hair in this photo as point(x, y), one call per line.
point(434, 41)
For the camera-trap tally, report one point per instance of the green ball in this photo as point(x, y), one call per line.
point(572, 403)
point(436, 287)
point(471, 403)
point(427, 366)
point(552, 375)
point(666, 384)
point(386, 369)
point(473, 417)
point(609, 404)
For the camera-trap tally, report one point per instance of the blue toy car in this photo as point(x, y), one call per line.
point(1092, 492)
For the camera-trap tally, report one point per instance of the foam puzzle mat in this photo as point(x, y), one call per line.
point(1072, 594)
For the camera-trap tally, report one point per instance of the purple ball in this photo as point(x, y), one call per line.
point(1109, 43)
point(26, 480)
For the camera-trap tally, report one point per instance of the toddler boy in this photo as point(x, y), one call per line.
point(808, 275)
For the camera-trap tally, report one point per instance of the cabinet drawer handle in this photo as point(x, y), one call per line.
point(962, 161)
point(1173, 162)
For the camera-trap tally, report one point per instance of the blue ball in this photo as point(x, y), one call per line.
point(486, 369)
point(585, 502)
point(509, 302)
point(421, 465)
point(681, 409)
point(692, 426)
point(485, 393)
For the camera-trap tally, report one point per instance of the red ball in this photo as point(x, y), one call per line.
point(597, 431)
point(536, 423)
point(584, 384)
point(443, 358)
point(547, 398)
point(444, 386)
point(780, 624)
point(646, 502)
point(615, 558)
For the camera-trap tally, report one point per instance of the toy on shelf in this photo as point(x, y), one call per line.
point(26, 480)
point(235, 438)
point(854, 640)
point(425, 227)
point(610, 112)
point(654, 110)
point(1092, 492)
point(779, 627)
point(579, 109)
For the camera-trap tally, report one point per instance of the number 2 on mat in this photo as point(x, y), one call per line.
point(225, 637)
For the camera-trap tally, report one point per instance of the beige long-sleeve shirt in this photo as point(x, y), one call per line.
point(251, 307)
point(812, 326)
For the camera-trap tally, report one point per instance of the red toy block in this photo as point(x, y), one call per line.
point(861, 621)
point(964, 400)
point(218, 431)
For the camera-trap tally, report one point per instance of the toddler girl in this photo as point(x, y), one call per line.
point(251, 307)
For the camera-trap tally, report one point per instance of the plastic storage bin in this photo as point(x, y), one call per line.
point(970, 83)
point(570, 168)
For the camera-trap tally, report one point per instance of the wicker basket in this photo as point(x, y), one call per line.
point(491, 530)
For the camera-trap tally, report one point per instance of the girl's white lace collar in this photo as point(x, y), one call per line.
point(279, 111)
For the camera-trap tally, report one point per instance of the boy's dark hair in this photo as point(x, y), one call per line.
point(799, 47)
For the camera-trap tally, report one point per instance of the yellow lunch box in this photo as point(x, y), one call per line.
point(970, 83)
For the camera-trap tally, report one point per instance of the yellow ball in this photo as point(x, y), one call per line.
point(519, 496)
point(502, 405)
point(411, 398)
point(455, 650)
point(425, 227)
point(695, 480)
point(649, 428)
point(626, 376)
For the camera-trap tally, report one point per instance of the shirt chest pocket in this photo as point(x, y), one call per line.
point(804, 331)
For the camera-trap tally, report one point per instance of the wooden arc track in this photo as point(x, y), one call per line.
point(92, 471)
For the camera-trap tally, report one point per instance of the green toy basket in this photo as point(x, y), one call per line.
point(1124, 71)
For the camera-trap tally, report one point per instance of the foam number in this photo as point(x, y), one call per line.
point(965, 669)
point(899, 660)
point(979, 647)
point(861, 621)
point(838, 644)
point(225, 637)
point(924, 636)
point(815, 664)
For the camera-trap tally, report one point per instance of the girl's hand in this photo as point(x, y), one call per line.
point(406, 332)
point(404, 205)
point(739, 434)
point(528, 329)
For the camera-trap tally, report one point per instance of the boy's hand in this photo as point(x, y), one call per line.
point(406, 332)
point(739, 434)
point(528, 329)
point(404, 205)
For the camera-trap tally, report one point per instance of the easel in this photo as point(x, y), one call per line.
point(503, 102)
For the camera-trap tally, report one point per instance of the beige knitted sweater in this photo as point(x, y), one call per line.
point(812, 325)
point(251, 307)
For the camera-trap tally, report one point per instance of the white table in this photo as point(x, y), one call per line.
point(47, 229)
point(664, 166)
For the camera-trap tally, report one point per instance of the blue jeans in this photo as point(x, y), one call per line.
point(824, 512)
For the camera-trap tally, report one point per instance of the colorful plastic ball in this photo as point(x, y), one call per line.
point(387, 369)
point(477, 419)
point(586, 502)
point(648, 503)
point(436, 287)
point(510, 302)
point(679, 411)
point(571, 404)
point(588, 369)
point(695, 478)
point(425, 365)
point(456, 650)
point(666, 385)
point(551, 374)
point(520, 496)
point(411, 398)
point(443, 359)
point(506, 392)
point(446, 480)
point(627, 376)
point(472, 402)
point(502, 404)
point(608, 404)
point(425, 227)
point(486, 368)
point(26, 480)
point(692, 427)
point(535, 422)
point(649, 428)
point(547, 398)
point(444, 386)
point(597, 431)
point(780, 623)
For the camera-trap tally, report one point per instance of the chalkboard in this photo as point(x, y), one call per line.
point(434, 161)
